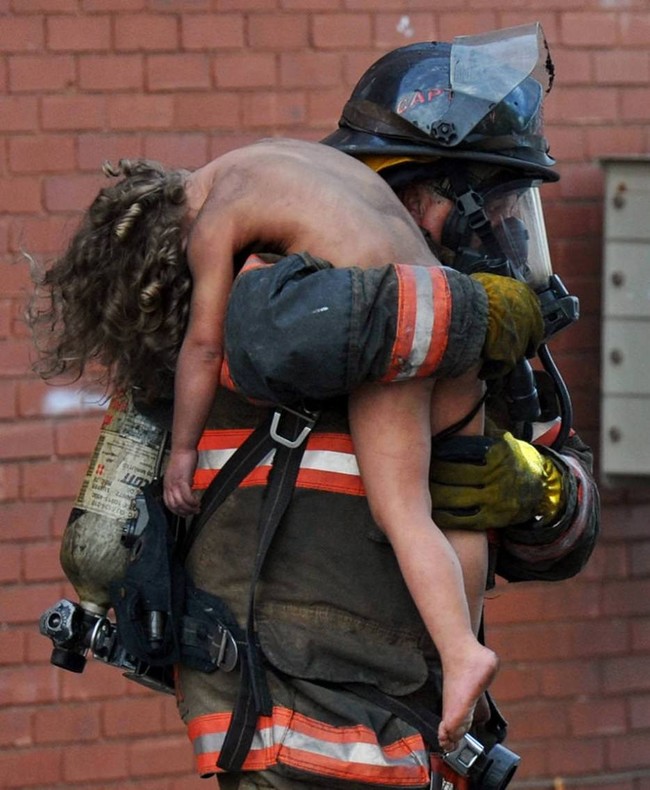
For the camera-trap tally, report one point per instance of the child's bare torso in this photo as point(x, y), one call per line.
point(296, 196)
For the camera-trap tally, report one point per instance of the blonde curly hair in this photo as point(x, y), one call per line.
point(115, 304)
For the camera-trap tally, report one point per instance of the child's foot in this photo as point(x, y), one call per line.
point(463, 683)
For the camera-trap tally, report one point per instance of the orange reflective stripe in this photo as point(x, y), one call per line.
point(406, 307)
point(328, 464)
point(423, 318)
point(352, 753)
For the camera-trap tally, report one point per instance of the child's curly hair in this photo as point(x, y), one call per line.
point(117, 301)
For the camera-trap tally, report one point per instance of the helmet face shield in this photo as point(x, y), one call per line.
point(515, 213)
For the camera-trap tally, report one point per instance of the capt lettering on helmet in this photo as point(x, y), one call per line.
point(415, 98)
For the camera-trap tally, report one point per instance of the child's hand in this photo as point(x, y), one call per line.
point(178, 494)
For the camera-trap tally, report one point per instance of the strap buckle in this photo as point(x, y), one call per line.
point(308, 417)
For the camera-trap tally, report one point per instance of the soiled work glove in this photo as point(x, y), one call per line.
point(478, 482)
point(515, 325)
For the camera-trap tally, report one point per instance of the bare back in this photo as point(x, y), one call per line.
point(299, 196)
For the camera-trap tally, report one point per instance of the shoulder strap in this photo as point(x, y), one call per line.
point(256, 447)
point(254, 699)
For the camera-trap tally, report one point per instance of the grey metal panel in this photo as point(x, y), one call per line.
point(625, 436)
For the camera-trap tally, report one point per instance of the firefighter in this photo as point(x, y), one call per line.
point(330, 615)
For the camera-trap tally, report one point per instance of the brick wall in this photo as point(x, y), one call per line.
point(182, 81)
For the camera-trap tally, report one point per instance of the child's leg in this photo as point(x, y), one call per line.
point(453, 399)
point(391, 428)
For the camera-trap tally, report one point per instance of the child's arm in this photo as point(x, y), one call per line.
point(210, 251)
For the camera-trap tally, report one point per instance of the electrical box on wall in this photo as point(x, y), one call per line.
point(625, 390)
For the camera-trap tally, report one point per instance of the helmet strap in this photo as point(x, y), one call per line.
point(468, 216)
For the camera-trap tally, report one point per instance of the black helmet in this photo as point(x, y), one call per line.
point(478, 99)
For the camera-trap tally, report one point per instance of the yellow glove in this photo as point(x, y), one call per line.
point(482, 483)
point(515, 324)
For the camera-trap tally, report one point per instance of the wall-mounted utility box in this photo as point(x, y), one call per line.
point(625, 390)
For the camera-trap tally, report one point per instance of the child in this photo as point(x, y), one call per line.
point(287, 196)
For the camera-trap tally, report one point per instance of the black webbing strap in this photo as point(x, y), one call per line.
point(240, 464)
point(254, 698)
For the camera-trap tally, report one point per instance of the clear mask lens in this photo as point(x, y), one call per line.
point(518, 222)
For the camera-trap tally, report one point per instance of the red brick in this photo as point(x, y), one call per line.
point(67, 723)
point(537, 720)
point(15, 727)
point(52, 480)
point(135, 111)
point(77, 437)
point(398, 30)
point(597, 717)
point(640, 712)
point(100, 761)
point(76, 193)
point(341, 31)
point(217, 110)
point(324, 106)
point(177, 150)
point(29, 684)
point(588, 29)
point(41, 561)
point(18, 113)
point(128, 718)
point(78, 33)
point(41, 6)
point(9, 482)
point(15, 355)
point(570, 679)
point(634, 104)
point(181, 5)
point(36, 235)
point(641, 634)
point(310, 5)
point(146, 32)
point(23, 768)
point(582, 104)
point(144, 756)
point(274, 109)
point(98, 682)
point(517, 682)
point(26, 440)
point(21, 34)
point(21, 194)
point(310, 69)
point(113, 5)
point(571, 757)
point(212, 31)
point(608, 140)
point(8, 399)
point(25, 521)
point(41, 72)
point(465, 23)
point(41, 153)
point(626, 674)
point(573, 67)
point(629, 751)
point(623, 68)
point(246, 70)
point(94, 149)
point(634, 28)
point(177, 72)
point(74, 112)
point(10, 564)
point(111, 72)
point(280, 32)
point(12, 646)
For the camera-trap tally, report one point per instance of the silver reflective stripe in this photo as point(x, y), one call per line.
point(359, 753)
point(216, 459)
point(320, 460)
point(424, 320)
